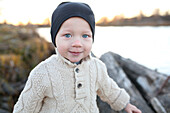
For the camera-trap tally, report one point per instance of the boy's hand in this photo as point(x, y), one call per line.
point(132, 109)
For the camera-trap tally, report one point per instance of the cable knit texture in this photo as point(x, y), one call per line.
point(59, 86)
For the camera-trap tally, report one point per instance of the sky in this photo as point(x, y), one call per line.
point(36, 11)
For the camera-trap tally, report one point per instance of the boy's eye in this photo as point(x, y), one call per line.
point(85, 36)
point(67, 35)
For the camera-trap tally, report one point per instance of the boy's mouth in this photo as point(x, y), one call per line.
point(75, 53)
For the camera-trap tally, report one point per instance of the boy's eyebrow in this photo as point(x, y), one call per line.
point(66, 29)
point(89, 31)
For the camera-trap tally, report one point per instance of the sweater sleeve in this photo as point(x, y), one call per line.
point(30, 99)
point(109, 91)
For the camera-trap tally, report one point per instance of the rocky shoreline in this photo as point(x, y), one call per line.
point(21, 49)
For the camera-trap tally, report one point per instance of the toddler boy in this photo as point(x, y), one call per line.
point(69, 81)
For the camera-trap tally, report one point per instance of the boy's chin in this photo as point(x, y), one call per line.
point(74, 60)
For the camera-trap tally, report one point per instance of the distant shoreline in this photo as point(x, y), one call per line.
point(155, 20)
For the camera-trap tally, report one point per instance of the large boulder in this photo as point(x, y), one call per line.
point(120, 77)
point(153, 85)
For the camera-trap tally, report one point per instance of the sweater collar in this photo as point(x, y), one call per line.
point(70, 63)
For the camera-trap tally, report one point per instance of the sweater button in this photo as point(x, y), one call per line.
point(77, 70)
point(79, 85)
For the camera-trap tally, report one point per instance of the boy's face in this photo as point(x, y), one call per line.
point(74, 39)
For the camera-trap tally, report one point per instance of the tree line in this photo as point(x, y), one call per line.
point(156, 19)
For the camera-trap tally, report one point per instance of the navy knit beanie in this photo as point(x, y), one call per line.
point(66, 10)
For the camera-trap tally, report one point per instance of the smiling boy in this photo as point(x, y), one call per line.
point(74, 39)
point(69, 81)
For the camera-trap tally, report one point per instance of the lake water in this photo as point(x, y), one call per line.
point(149, 46)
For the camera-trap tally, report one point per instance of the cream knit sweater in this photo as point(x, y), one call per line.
point(58, 86)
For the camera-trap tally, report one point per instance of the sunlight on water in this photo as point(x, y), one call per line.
point(149, 46)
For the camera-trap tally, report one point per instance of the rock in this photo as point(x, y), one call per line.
point(5, 106)
point(21, 50)
point(7, 89)
point(149, 82)
point(3, 111)
point(164, 99)
point(25, 33)
point(157, 105)
point(118, 75)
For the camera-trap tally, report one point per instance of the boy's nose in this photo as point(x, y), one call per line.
point(77, 43)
